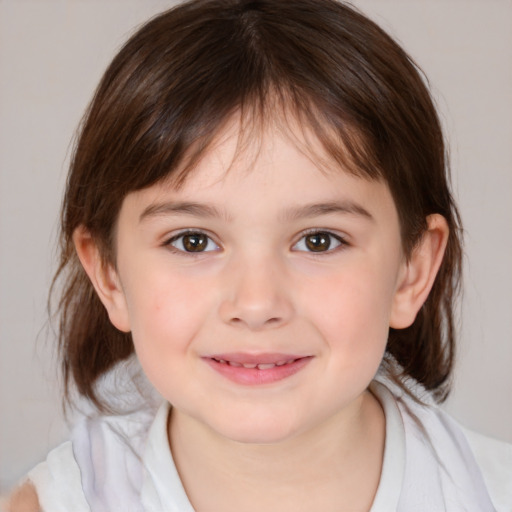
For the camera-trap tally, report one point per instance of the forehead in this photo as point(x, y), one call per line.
point(269, 172)
point(246, 142)
point(249, 134)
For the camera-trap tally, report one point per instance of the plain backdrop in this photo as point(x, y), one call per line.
point(52, 54)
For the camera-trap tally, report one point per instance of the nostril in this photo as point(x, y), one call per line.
point(255, 323)
point(255, 310)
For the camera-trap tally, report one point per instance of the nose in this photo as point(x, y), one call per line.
point(257, 296)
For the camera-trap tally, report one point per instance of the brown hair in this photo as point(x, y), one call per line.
point(176, 82)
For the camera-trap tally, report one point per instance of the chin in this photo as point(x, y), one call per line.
point(250, 436)
point(258, 431)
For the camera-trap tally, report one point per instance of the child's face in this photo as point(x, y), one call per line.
point(286, 264)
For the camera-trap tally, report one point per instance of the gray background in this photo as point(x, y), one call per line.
point(52, 54)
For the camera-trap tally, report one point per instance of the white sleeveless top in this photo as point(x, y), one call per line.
point(124, 463)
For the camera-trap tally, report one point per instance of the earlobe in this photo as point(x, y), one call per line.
point(103, 277)
point(419, 273)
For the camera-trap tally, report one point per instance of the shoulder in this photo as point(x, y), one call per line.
point(100, 467)
point(466, 452)
point(57, 482)
point(23, 499)
point(495, 461)
point(42, 487)
point(469, 466)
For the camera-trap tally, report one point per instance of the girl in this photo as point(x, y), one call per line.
point(260, 254)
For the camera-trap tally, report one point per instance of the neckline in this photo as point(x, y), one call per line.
point(393, 464)
point(162, 487)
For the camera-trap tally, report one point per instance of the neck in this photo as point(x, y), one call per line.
point(335, 466)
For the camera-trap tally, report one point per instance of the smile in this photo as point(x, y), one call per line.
point(259, 366)
point(253, 370)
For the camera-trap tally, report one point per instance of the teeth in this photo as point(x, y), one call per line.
point(282, 363)
point(260, 366)
point(266, 366)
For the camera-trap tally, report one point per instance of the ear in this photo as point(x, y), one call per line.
point(103, 277)
point(419, 273)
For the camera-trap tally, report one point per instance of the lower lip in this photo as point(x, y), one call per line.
point(255, 376)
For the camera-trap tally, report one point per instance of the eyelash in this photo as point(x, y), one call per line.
point(169, 243)
point(339, 240)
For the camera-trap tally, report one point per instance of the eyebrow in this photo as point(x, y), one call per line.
point(292, 214)
point(182, 208)
point(318, 209)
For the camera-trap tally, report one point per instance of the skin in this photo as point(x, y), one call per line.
point(23, 499)
point(317, 436)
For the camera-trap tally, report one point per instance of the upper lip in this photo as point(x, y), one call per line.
point(263, 358)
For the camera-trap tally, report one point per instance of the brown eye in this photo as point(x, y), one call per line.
point(318, 242)
point(193, 242)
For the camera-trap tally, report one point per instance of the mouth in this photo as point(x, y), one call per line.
point(259, 366)
point(259, 369)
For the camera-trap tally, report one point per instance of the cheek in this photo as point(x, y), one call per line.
point(352, 309)
point(166, 312)
point(165, 308)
